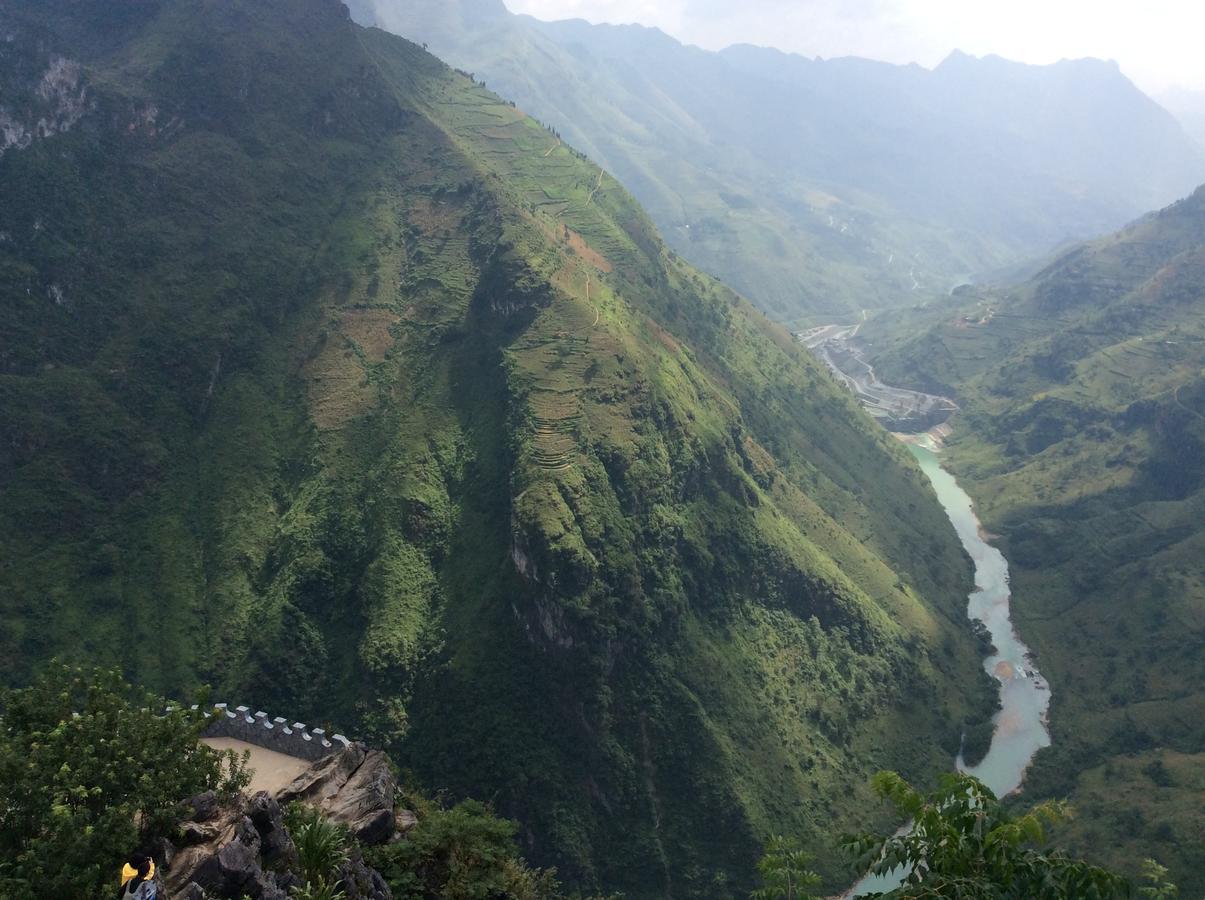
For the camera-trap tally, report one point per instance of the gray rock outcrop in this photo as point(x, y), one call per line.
point(354, 787)
point(223, 850)
point(243, 849)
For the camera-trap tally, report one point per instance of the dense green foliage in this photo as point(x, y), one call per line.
point(963, 843)
point(822, 187)
point(464, 852)
point(1083, 443)
point(90, 771)
point(327, 377)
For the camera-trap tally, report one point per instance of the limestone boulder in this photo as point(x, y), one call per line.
point(354, 787)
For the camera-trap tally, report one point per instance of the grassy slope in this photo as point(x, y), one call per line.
point(303, 392)
point(1083, 444)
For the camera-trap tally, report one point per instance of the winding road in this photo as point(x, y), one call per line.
point(899, 409)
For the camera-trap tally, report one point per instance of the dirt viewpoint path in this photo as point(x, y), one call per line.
point(270, 771)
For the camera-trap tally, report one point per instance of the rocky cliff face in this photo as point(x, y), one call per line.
point(62, 100)
point(355, 788)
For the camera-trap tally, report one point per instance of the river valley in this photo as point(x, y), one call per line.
point(1020, 724)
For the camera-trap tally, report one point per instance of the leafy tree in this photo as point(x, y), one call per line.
point(964, 844)
point(784, 871)
point(1159, 888)
point(91, 770)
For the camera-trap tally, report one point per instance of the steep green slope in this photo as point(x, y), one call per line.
point(326, 376)
point(822, 187)
point(1083, 442)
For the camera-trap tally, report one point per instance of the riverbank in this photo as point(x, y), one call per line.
point(1021, 727)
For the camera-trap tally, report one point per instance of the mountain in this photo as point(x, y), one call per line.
point(334, 380)
point(1083, 443)
point(1189, 108)
point(820, 187)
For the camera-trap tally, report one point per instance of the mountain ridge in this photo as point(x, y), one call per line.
point(819, 188)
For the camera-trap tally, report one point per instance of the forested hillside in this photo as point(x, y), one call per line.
point(333, 379)
point(1083, 442)
point(823, 187)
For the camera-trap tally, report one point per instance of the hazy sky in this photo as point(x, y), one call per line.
point(1157, 42)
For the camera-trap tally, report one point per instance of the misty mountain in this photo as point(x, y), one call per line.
point(824, 186)
point(1189, 108)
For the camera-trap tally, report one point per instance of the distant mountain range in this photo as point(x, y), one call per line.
point(820, 187)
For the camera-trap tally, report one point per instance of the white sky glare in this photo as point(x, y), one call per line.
point(1157, 42)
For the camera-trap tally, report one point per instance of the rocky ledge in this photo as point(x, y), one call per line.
point(242, 848)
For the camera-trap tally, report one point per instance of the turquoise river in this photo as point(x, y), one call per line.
point(1020, 725)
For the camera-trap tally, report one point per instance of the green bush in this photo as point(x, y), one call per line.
point(462, 853)
point(963, 843)
point(91, 770)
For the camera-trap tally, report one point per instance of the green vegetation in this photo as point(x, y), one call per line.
point(90, 770)
point(1083, 441)
point(321, 848)
point(817, 187)
point(460, 853)
point(784, 871)
point(324, 382)
point(964, 843)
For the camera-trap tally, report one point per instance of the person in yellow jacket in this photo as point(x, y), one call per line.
point(137, 879)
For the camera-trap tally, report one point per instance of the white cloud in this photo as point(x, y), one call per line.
point(1157, 42)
